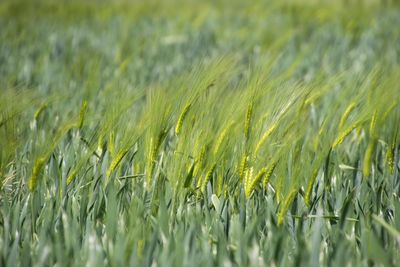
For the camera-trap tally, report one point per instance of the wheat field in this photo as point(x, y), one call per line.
point(199, 133)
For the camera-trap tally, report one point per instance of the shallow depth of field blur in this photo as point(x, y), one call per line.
point(199, 133)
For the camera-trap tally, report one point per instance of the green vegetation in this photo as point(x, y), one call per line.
point(199, 133)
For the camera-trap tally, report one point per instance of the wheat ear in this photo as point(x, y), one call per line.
point(390, 158)
point(372, 126)
point(251, 183)
point(116, 161)
point(221, 138)
point(310, 185)
point(182, 117)
point(243, 166)
point(343, 135)
point(247, 123)
point(82, 114)
point(346, 114)
point(286, 206)
point(265, 136)
point(368, 158)
point(207, 178)
point(35, 172)
point(269, 174)
point(40, 111)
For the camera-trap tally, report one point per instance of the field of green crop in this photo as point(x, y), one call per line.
point(199, 133)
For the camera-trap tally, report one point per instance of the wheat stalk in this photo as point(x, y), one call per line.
point(116, 161)
point(110, 143)
point(243, 165)
point(390, 158)
point(207, 178)
point(310, 185)
point(40, 111)
point(221, 138)
point(247, 123)
point(181, 118)
point(150, 162)
point(389, 110)
point(343, 135)
point(200, 161)
point(248, 176)
point(265, 136)
point(35, 172)
point(368, 158)
point(346, 114)
point(268, 174)
point(153, 151)
point(82, 114)
point(372, 125)
point(72, 175)
point(251, 183)
point(285, 207)
point(43, 159)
